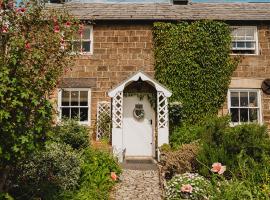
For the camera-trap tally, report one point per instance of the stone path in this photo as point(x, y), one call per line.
point(138, 185)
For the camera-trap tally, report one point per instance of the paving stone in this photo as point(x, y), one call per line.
point(137, 185)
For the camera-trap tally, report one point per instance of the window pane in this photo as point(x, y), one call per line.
point(65, 98)
point(244, 115)
point(74, 113)
point(253, 115)
point(234, 99)
point(244, 99)
point(253, 101)
point(77, 46)
point(250, 32)
point(250, 45)
point(83, 114)
point(86, 46)
point(84, 98)
point(86, 33)
point(235, 115)
point(74, 98)
point(240, 44)
point(65, 113)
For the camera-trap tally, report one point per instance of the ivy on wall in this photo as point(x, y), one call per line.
point(193, 60)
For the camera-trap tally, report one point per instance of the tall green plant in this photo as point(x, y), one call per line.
point(33, 55)
point(193, 60)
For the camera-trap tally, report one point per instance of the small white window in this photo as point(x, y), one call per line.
point(244, 40)
point(244, 106)
point(74, 104)
point(83, 42)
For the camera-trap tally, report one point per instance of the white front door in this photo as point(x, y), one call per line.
point(138, 133)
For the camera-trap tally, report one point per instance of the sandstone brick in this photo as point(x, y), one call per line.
point(102, 68)
point(112, 39)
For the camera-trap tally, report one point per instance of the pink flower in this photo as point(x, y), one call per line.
point(218, 168)
point(186, 188)
point(4, 29)
point(56, 29)
point(20, 10)
point(114, 176)
point(68, 24)
point(27, 45)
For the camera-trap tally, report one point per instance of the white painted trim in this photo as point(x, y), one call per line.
point(135, 77)
point(91, 43)
point(59, 100)
point(256, 42)
point(260, 120)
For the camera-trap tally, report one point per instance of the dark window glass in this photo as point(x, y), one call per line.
point(74, 113)
point(65, 98)
point(244, 115)
point(84, 98)
point(244, 99)
point(74, 98)
point(253, 115)
point(65, 113)
point(235, 114)
point(253, 102)
point(83, 114)
point(234, 99)
point(86, 46)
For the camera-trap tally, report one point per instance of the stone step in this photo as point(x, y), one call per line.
point(139, 164)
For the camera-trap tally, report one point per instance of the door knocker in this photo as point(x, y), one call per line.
point(138, 112)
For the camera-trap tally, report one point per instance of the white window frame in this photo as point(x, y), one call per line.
point(91, 38)
point(59, 104)
point(256, 41)
point(259, 107)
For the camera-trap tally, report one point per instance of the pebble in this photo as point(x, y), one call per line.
point(137, 185)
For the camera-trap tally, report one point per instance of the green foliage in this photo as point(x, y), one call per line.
point(72, 133)
point(193, 60)
point(201, 187)
point(105, 124)
point(243, 149)
point(185, 134)
point(47, 172)
point(233, 190)
point(175, 115)
point(95, 181)
point(31, 62)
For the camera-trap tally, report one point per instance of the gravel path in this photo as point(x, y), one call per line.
point(137, 185)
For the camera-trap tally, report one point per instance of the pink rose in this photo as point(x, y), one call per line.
point(114, 176)
point(218, 168)
point(186, 188)
point(56, 29)
point(4, 29)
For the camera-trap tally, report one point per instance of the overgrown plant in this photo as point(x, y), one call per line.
point(193, 60)
point(34, 53)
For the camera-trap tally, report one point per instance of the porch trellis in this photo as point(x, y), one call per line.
point(103, 112)
point(162, 110)
point(117, 110)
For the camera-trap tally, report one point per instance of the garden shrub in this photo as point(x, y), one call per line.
point(233, 145)
point(72, 133)
point(95, 180)
point(185, 134)
point(47, 172)
point(188, 186)
point(175, 115)
point(179, 161)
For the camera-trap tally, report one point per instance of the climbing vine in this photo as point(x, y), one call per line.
point(193, 60)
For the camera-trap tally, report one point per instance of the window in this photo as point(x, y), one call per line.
point(244, 40)
point(244, 106)
point(83, 42)
point(74, 104)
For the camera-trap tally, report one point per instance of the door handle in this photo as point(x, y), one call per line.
point(150, 121)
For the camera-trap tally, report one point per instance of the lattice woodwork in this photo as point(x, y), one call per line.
point(117, 110)
point(162, 109)
point(103, 119)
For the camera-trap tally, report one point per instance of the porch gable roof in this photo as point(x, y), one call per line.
point(135, 77)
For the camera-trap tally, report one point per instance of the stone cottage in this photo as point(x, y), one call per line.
point(117, 61)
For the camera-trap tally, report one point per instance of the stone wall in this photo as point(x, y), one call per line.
point(123, 48)
point(120, 49)
point(253, 69)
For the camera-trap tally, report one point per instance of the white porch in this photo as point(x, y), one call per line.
point(139, 128)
